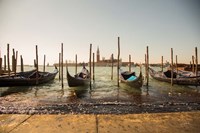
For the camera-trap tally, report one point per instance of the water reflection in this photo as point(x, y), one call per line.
point(11, 90)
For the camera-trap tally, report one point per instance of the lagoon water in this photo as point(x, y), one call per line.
point(104, 90)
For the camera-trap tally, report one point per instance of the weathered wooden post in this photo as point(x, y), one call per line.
point(36, 65)
point(16, 62)
point(118, 61)
point(193, 64)
point(76, 64)
point(93, 66)
point(172, 67)
point(176, 64)
point(4, 63)
point(90, 65)
point(8, 49)
point(112, 67)
point(22, 64)
point(129, 63)
point(162, 64)
point(0, 65)
point(196, 68)
point(147, 66)
point(13, 61)
point(62, 65)
point(44, 63)
point(59, 65)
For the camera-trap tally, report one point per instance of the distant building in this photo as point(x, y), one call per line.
point(104, 61)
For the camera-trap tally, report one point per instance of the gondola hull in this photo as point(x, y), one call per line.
point(24, 79)
point(76, 81)
point(193, 81)
point(137, 83)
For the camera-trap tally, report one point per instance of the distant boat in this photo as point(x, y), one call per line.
point(130, 79)
point(27, 78)
point(180, 79)
point(77, 80)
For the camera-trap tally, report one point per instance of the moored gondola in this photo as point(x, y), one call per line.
point(180, 79)
point(28, 78)
point(130, 79)
point(77, 80)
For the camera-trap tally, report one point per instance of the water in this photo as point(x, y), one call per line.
point(104, 91)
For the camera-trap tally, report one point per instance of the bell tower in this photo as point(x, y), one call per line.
point(98, 54)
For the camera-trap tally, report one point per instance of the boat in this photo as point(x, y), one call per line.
point(27, 78)
point(130, 79)
point(180, 78)
point(77, 80)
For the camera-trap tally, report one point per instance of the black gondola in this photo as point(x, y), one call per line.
point(28, 78)
point(131, 79)
point(180, 79)
point(77, 80)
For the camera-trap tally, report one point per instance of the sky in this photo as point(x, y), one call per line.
point(159, 24)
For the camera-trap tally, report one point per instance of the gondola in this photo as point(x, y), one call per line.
point(77, 80)
point(180, 79)
point(28, 78)
point(130, 79)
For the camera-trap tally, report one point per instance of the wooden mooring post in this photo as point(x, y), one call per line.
point(59, 65)
point(4, 63)
point(36, 64)
point(112, 67)
point(147, 61)
point(172, 67)
point(22, 64)
point(8, 49)
point(93, 67)
point(176, 64)
point(75, 64)
point(44, 63)
point(196, 57)
point(90, 65)
point(161, 63)
point(62, 65)
point(0, 65)
point(130, 63)
point(118, 61)
point(193, 64)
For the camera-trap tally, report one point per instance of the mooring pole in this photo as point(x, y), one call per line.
point(129, 63)
point(36, 65)
point(59, 65)
point(162, 64)
point(112, 67)
point(76, 64)
point(44, 63)
point(176, 64)
point(147, 66)
point(118, 61)
point(62, 65)
point(4, 63)
point(8, 49)
point(193, 64)
point(93, 66)
point(196, 68)
point(16, 62)
point(22, 64)
point(172, 67)
point(90, 66)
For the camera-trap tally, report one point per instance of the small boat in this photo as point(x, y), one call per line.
point(131, 79)
point(180, 78)
point(28, 78)
point(77, 80)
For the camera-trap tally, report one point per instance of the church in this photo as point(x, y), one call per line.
point(104, 62)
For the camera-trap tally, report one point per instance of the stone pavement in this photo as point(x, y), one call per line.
point(179, 122)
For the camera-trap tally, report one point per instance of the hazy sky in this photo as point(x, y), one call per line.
point(160, 24)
